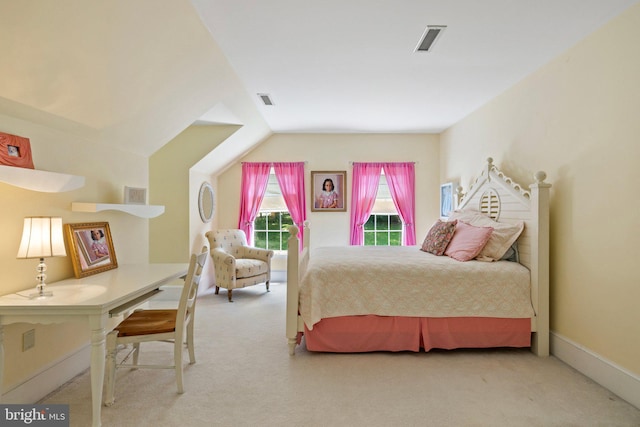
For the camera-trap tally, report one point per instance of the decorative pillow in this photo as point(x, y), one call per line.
point(503, 236)
point(439, 237)
point(467, 241)
point(512, 253)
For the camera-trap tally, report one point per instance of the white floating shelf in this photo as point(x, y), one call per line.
point(37, 180)
point(143, 211)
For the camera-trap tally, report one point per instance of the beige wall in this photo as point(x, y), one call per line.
point(107, 171)
point(171, 186)
point(576, 118)
point(334, 152)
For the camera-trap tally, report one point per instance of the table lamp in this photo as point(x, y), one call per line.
point(41, 237)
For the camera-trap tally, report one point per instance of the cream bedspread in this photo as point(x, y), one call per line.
point(404, 281)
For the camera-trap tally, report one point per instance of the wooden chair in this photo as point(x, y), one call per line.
point(172, 325)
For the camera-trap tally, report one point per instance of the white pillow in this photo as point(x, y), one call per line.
point(503, 236)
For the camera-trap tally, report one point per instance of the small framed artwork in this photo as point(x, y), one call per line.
point(328, 191)
point(446, 199)
point(15, 151)
point(135, 196)
point(91, 248)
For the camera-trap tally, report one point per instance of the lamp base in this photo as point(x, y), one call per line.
point(41, 294)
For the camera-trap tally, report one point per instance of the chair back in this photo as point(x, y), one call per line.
point(187, 305)
point(229, 240)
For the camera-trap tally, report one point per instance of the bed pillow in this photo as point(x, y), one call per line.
point(503, 237)
point(439, 237)
point(467, 241)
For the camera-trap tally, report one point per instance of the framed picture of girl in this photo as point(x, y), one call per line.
point(328, 191)
point(91, 248)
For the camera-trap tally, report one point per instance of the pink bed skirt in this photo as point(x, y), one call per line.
point(357, 334)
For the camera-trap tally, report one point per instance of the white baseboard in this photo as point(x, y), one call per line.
point(50, 378)
point(623, 383)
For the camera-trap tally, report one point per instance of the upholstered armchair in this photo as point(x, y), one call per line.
point(236, 264)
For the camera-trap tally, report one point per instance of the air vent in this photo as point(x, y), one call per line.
point(266, 99)
point(428, 39)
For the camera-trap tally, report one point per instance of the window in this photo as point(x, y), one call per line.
point(384, 226)
point(270, 226)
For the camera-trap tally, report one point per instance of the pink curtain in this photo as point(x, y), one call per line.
point(364, 188)
point(401, 180)
point(291, 179)
point(255, 177)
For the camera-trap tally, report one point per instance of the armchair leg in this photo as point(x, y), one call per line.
point(267, 286)
point(229, 295)
point(217, 290)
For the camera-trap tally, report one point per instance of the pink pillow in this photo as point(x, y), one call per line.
point(467, 241)
point(439, 237)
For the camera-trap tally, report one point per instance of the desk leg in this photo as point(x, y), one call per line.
point(97, 366)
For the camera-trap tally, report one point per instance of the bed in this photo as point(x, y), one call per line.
point(363, 299)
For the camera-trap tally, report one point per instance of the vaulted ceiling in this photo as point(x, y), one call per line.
point(134, 74)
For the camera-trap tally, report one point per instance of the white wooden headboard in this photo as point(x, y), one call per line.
point(498, 196)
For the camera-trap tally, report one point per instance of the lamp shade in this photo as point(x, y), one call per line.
point(42, 237)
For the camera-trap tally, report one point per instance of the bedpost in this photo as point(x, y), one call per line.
point(292, 287)
point(540, 263)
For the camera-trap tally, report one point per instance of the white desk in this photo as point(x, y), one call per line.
point(92, 300)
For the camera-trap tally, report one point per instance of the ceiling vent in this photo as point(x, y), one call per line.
point(266, 99)
point(428, 39)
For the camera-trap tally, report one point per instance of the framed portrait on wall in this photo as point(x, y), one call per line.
point(446, 200)
point(328, 191)
point(91, 248)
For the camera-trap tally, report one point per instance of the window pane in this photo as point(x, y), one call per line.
point(369, 225)
point(274, 221)
point(395, 239)
point(369, 239)
point(260, 239)
point(382, 239)
point(382, 222)
point(396, 223)
point(286, 219)
point(274, 241)
point(260, 223)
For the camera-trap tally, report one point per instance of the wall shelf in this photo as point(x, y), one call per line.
point(143, 211)
point(38, 180)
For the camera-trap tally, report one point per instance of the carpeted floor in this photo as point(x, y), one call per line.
point(245, 377)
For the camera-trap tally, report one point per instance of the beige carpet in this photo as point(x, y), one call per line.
point(245, 377)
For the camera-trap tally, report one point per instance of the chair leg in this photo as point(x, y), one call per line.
point(229, 295)
point(268, 286)
point(136, 352)
point(177, 360)
point(190, 343)
point(112, 350)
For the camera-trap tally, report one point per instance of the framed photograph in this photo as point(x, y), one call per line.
point(446, 199)
point(15, 151)
point(328, 191)
point(91, 248)
point(135, 196)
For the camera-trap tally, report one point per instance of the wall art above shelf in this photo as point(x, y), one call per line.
point(142, 211)
point(38, 180)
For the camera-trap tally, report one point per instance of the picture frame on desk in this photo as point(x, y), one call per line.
point(91, 248)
